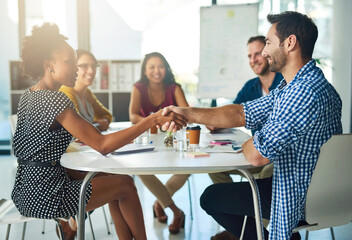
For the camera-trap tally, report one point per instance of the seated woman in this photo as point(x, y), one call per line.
point(47, 120)
point(83, 98)
point(157, 89)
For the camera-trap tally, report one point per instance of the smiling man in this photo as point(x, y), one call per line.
point(254, 88)
point(266, 80)
point(297, 118)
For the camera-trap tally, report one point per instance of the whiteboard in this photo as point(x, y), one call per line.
point(223, 62)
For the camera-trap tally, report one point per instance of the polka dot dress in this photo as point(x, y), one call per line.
point(43, 192)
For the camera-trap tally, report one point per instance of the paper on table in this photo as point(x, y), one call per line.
point(133, 148)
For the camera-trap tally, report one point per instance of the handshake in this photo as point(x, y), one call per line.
point(172, 118)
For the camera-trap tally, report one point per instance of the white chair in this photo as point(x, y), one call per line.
point(330, 191)
point(10, 215)
point(13, 123)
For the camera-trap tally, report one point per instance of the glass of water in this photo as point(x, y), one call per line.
point(143, 138)
point(181, 143)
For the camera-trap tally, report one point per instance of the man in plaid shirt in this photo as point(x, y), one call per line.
point(297, 118)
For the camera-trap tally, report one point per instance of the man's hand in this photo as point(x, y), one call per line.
point(181, 111)
point(171, 126)
point(171, 121)
point(212, 128)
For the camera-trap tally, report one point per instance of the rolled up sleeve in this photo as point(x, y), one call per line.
point(257, 111)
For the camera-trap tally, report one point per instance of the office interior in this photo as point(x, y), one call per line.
point(124, 31)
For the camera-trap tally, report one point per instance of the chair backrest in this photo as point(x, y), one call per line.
point(329, 196)
point(13, 123)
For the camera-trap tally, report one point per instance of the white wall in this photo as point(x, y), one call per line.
point(342, 58)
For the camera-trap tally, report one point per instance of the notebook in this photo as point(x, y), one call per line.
point(133, 148)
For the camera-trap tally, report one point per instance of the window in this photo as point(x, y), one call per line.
point(62, 12)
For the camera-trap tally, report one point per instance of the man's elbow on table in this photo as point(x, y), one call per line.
point(253, 155)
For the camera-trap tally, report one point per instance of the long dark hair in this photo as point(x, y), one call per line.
point(169, 76)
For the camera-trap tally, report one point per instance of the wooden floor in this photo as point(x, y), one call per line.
point(201, 227)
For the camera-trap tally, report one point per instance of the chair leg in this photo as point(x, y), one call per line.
point(332, 233)
point(8, 231)
point(24, 230)
point(190, 198)
point(91, 225)
point(43, 229)
point(243, 227)
point(61, 233)
point(106, 220)
point(307, 235)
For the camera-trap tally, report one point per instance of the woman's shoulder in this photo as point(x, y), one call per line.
point(66, 89)
point(57, 96)
point(69, 92)
point(172, 87)
point(45, 99)
point(49, 94)
point(140, 85)
point(142, 88)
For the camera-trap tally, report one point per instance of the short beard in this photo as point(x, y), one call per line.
point(278, 60)
point(265, 69)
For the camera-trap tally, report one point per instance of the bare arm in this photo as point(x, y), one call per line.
point(252, 154)
point(135, 106)
point(104, 144)
point(180, 97)
point(224, 117)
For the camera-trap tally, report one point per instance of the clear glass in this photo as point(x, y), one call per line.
point(144, 138)
point(181, 141)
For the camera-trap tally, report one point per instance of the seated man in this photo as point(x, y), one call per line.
point(297, 118)
point(253, 89)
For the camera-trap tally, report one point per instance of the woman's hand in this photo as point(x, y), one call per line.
point(171, 121)
point(180, 111)
point(103, 124)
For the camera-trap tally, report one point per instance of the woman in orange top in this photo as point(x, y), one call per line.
point(82, 97)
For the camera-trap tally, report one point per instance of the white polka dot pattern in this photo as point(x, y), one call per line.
point(43, 192)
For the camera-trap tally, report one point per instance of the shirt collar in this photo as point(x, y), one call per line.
point(306, 68)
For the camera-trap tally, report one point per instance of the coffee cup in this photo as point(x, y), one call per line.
point(193, 134)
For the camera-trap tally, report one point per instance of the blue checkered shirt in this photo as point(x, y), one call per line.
point(296, 120)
